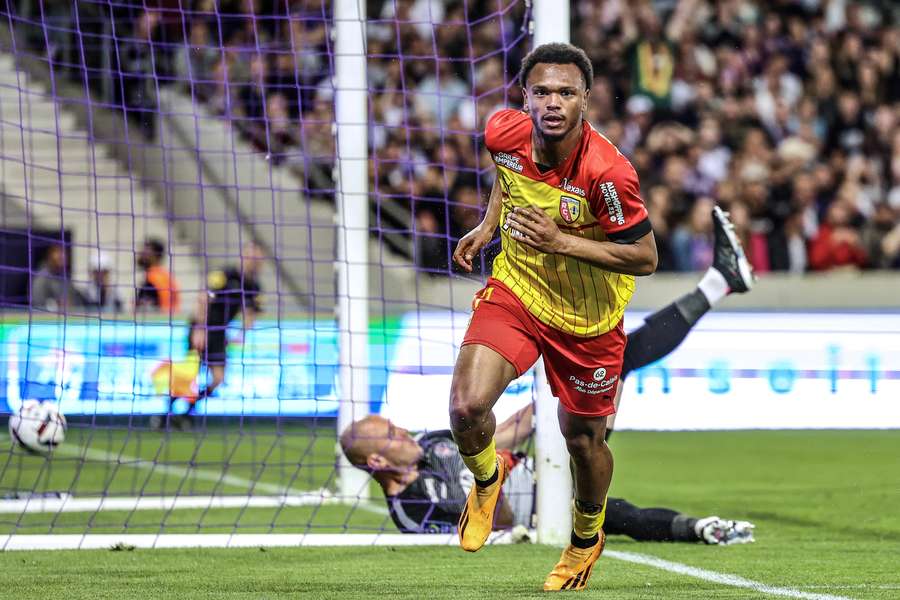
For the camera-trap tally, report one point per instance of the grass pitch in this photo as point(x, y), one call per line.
point(825, 504)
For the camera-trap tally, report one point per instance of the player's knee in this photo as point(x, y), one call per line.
point(583, 447)
point(467, 409)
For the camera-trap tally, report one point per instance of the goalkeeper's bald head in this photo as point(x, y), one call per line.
point(375, 443)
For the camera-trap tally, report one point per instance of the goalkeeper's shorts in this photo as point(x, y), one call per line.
point(583, 372)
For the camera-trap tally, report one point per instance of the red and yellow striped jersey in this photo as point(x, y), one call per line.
point(593, 194)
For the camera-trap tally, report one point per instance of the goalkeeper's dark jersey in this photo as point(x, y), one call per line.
point(434, 501)
point(230, 292)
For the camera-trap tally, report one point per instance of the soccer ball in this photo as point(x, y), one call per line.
point(38, 426)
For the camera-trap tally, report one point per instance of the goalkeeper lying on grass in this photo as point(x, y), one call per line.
point(426, 483)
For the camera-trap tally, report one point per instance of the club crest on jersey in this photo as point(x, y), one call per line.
point(569, 209)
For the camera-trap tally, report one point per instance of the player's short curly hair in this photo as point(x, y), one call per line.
point(558, 54)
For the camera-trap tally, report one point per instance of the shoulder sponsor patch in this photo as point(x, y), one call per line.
point(569, 209)
point(613, 204)
point(509, 161)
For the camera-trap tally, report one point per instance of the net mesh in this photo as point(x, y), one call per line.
point(167, 247)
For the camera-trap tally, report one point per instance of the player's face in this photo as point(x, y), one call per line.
point(251, 259)
point(555, 98)
point(399, 447)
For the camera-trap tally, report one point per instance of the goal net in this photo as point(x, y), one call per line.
point(225, 236)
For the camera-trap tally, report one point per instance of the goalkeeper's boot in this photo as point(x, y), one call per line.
point(575, 566)
point(477, 519)
point(166, 421)
point(728, 256)
point(183, 422)
point(713, 530)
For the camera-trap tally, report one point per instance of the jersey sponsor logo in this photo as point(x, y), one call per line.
point(600, 385)
point(569, 209)
point(572, 189)
point(443, 450)
point(509, 161)
point(613, 204)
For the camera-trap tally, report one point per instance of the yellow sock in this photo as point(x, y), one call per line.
point(484, 464)
point(587, 524)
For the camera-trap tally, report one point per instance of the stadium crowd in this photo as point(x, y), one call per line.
point(785, 112)
point(51, 288)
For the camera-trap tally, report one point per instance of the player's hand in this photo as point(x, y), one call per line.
point(534, 227)
point(470, 245)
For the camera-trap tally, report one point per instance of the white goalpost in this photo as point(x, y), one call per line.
point(352, 179)
point(554, 478)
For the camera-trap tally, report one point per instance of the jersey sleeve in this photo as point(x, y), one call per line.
point(617, 205)
point(504, 130)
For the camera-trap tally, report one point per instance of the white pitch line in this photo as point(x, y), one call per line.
point(233, 540)
point(68, 503)
point(134, 462)
point(715, 577)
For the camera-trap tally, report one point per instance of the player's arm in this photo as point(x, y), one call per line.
point(471, 244)
point(535, 228)
point(202, 306)
point(516, 429)
point(248, 318)
point(615, 201)
point(685, 10)
point(198, 330)
point(252, 308)
point(637, 257)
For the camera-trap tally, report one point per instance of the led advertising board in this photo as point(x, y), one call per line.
point(734, 371)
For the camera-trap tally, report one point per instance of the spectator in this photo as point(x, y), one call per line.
point(441, 93)
point(221, 99)
point(281, 133)
point(100, 293)
point(658, 207)
point(795, 244)
point(286, 81)
point(692, 242)
point(880, 237)
point(253, 94)
point(137, 70)
point(431, 247)
point(51, 288)
point(714, 155)
point(837, 243)
point(196, 60)
point(159, 291)
point(652, 51)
